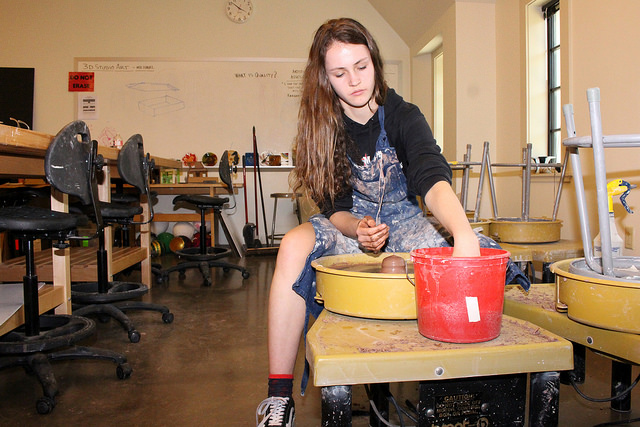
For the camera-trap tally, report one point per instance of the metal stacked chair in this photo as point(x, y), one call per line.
point(70, 167)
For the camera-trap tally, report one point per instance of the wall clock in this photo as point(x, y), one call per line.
point(239, 11)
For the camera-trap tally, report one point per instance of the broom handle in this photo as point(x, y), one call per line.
point(264, 215)
point(255, 180)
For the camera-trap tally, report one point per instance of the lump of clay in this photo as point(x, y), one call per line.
point(393, 264)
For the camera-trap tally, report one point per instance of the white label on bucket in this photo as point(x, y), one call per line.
point(473, 311)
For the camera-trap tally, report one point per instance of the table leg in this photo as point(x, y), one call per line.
point(620, 380)
point(379, 393)
point(544, 399)
point(547, 275)
point(579, 366)
point(336, 406)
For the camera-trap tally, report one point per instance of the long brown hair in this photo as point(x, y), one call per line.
point(322, 166)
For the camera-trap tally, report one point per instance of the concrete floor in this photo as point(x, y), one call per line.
point(209, 367)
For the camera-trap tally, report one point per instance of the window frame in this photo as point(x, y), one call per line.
point(551, 12)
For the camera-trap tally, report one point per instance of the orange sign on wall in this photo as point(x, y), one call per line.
point(80, 82)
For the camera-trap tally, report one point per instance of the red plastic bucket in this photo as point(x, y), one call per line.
point(459, 299)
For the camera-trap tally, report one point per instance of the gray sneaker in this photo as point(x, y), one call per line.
point(276, 412)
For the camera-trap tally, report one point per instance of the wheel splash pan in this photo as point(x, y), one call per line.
point(597, 300)
point(535, 230)
point(364, 294)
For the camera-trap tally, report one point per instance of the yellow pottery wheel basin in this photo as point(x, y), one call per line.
point(364, 293)
point(535, 230)
point(601, 302)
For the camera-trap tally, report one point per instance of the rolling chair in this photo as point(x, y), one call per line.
point(203, 257)
point(70, 167)
point(113, 298)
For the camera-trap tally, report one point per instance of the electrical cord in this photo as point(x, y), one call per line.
point(604, 399)
point(399, 410)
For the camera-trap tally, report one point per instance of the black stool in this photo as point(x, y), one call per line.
point(203, 257)
point(113, 298)
point(70, 167)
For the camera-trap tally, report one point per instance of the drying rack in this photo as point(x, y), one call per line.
point(598, 142)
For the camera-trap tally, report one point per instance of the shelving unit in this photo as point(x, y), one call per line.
point(83, 264)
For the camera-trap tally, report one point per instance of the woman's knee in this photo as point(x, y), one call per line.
point(298, 242)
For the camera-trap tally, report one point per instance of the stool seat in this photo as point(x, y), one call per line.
point(202, 202)
point(37, 219)
point(275, 196)
point(112, 212)
point(285, 195)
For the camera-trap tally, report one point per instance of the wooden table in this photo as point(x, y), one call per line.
point(22, 156)
point(343, 351)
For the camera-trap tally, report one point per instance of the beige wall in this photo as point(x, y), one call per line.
point(604, 41)
point(469, 47)
point(48, 35)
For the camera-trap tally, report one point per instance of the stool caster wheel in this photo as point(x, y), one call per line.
point(123, 371)
point(226, 269)
point(159, 279)
point(181, 274)
point(45, 405)
point(245, 274)
point(134, 336)
point(167, 317)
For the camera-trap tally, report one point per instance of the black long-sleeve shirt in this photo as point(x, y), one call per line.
point(410, 134)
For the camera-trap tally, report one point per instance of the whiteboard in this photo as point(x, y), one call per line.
point(196, 106)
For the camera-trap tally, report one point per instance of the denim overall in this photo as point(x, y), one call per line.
point(380, 191)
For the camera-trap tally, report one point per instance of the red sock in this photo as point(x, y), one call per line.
point(280, 385)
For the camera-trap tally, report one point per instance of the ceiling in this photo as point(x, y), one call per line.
point(411, 18)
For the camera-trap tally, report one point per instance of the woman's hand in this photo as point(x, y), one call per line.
point(445, 206)
point(465, 244)
point(371, 236)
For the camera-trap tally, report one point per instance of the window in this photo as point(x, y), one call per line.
point(438, 97)
point(552, 19)
point(544, 109)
